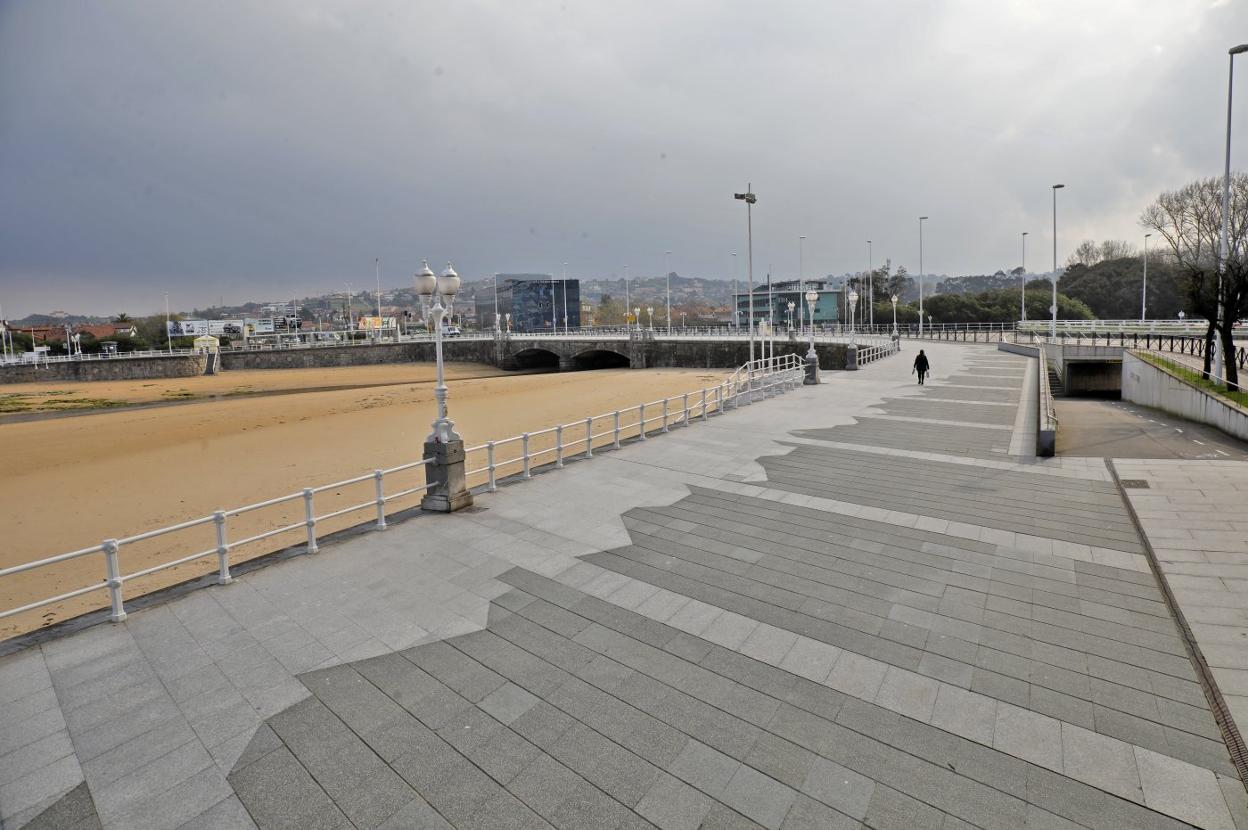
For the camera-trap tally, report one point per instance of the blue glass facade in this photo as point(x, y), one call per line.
point(827, 307)
point(537, 302)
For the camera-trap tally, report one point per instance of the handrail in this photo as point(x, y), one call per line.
point(114, 579)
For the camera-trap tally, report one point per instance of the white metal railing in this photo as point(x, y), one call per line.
point(521, 454)
point(110, 549)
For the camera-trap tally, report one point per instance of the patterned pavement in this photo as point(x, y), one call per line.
point(871, 616)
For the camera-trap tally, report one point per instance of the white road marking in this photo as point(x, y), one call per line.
point(1176, 429)
point(1202, 443)
point(1223, 453)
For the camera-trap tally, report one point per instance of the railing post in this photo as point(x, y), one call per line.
point(719, 399)
point(309, 519)
point(489, 462)
point(589, 437)
point(223, 550)
point(524, 441)
point(665, 415)
point(703, 403)
point(559, 447)
point(641, 421)
point(685, 403)
point(616, 428)
point(378, 478)
point(113, 570)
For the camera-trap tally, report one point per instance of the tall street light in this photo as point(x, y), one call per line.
point(627, 301)
point(1053, 308)
point(168, 339)
point(667, 266)
point(871, 283)
point(801, 271)
point(812, 297)
point(1144, 285)
point(1022, 283)
point(853, 301)
point(749, 198)
point(565, 298)
point(894, 298)
point(736, 315)
point(1224, 248)
point(922, 219)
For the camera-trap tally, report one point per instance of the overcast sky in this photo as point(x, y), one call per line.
point(255, 150)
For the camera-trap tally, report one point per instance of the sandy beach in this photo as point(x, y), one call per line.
point(185, 447)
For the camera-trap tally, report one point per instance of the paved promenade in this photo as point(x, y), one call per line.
point(860, 604)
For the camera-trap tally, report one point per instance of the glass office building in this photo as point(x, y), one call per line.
point(827, 307)
point(539, 302)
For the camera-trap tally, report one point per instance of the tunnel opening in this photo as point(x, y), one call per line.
point(1096, 380)
point(535, 359)
point(600, 359)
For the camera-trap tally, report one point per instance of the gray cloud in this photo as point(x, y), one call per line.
point(259, 149)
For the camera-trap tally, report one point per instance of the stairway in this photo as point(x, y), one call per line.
point(1056, 388)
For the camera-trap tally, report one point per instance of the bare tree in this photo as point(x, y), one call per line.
point(1116, 249)
point(1189, 220)
point(1087, 253)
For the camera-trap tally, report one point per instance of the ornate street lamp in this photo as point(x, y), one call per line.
point(853, 303)
point(508, 316)
point(637, 317)
point(650, 311)
point(446, 489)
point(811, 298)
point(792, 305)
point(894, 301)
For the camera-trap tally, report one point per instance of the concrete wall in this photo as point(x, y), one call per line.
point(1149, 385)
point(705, 355)
point(1046, 421)
point(475, 351)
point(111, 368)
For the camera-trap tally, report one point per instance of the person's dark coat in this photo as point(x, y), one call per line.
point(921, 365)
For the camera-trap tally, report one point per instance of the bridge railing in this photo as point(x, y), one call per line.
point(520, 455)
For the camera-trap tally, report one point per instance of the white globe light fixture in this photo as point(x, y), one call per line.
point(894, 299)
point(811, 298)
point(853, 303)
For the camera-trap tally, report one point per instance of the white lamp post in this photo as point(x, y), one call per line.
point(922, 219)
point(894, 300)
point(1022, 284)
point(792, 305)
point(627, 301)
point(637, 317)
point(853, 302)
point(650, 312)
point(1144, 285)
point(1053, 308)
point(871, 284)
point(508, 316)
point(801, 274)
point(811, 298)
point(437, 290)
point(667, 266)
point(736, 313)
point(168, 339)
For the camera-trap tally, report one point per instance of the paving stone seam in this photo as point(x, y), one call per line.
point(1113, 744)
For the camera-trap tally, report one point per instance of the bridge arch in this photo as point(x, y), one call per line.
point(534, 358)
point(600, 359)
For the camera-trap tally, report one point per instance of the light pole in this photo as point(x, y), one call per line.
point(894, 299)
point(667, 266)
point(1053, 308)
point(853, 301)
point(871, 284)
point(749, 198)
point(801, 273)
point(565, 298)
point(650, 313)
point(627, 301)
point(168, 339)
point(437, 290)
point(507, 316)
point(1022, 283)
point(736, 313)
point(1224, 248)
point(922, 219)
point(498, 320)
point(1144, 285)
point(792, 305)
point(812, 297)
point(637, 317)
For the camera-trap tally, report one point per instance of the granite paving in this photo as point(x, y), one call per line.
point(851, 606)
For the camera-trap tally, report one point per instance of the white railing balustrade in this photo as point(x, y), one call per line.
point(111, 549)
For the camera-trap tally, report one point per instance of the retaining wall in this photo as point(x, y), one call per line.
point(108, 368)
point(1046, 420)
point(1150, 385)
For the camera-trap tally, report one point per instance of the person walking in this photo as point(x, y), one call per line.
point(921, 366)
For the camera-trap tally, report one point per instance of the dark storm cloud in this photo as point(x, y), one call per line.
point(260, 149)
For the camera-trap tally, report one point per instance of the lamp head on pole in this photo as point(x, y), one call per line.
point(426, 282)
point(448, 283)
point(894, 299)
point(1235, 50)
point(748, 198)
point(1024, 233)
point(1058, 186)
point(811, 297)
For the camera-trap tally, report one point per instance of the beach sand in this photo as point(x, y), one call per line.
point(71, 481)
